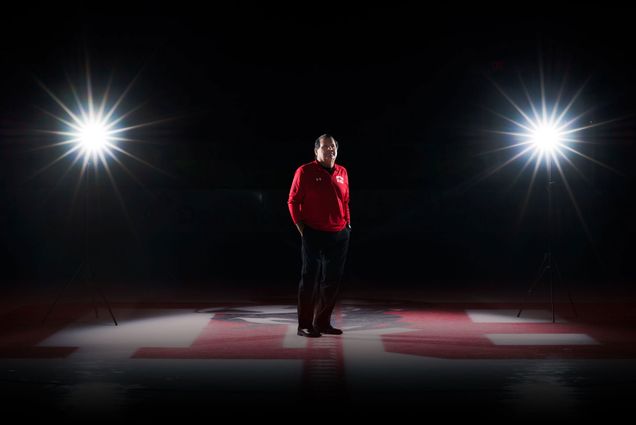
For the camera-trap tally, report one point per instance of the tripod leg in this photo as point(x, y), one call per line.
point(89, 282)
point(107, 306)
point(93, 286)
point(552, 296)
point(59, 295)
point(542, 268)
point(567, 285)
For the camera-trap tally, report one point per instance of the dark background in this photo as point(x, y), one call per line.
point(240, 94)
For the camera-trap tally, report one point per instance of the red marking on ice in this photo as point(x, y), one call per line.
point(21, 330)
point(235, 340)
point(448, 332)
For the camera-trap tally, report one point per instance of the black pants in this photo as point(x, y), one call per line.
point(324, 255)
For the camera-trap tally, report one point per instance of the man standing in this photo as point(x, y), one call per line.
point(319, 206)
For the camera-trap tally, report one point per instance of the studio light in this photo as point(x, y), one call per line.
point(548, 132)
point(92, 132)
point(547, 139)
point(94, 137)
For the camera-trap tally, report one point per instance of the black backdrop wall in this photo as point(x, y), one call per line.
point(242, 95)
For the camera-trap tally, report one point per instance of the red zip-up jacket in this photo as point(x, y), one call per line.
point(319, 199)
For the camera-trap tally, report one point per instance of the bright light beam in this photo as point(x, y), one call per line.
point(92, 128)
point(91, 131)
point(542, 132)
point(94, 136)
point(547, 139)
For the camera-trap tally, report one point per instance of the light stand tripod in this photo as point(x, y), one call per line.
point(548, 264)
point(86, 266)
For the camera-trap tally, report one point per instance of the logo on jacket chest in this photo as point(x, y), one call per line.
point(339, 179)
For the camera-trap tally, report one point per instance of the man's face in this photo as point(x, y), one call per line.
point(327, 152)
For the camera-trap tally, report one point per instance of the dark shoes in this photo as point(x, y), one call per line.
point(329, 330)
point(308, 332)
point(316, 331)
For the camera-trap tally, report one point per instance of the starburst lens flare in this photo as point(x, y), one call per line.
point(547, 139)
point(94, 136)
point(545, 130)
point(92, 133)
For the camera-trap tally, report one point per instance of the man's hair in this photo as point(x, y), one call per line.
point(325, 136)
